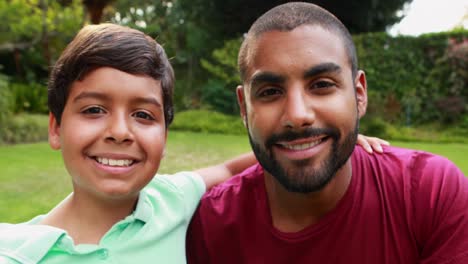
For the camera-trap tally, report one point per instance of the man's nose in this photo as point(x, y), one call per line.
point(118, 129)
point(298, 112)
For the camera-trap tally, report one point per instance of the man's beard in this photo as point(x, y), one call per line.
point(300, 178)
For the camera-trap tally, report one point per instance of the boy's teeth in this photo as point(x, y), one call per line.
point(113, 162)
point(302, 146)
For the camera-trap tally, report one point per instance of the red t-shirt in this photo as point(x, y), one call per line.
point(402, 206)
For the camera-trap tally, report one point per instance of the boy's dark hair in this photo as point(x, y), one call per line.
point(289, 16)
point(109, 45)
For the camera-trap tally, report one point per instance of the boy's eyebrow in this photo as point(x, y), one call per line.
point(147, 100)
point(322, 68)
point(94, 95)
point(104, 97)
point(266, 77)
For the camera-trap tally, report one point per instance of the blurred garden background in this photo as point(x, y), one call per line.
point(417, 85)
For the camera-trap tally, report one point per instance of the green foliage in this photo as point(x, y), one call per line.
point(415, 80)
point(5, 111)
point(21, 20)
point(25, 128)
point(447, 82)
point(224, 66)
point(29, 98)
point(35, 32)
point(227, 19)
point(219, 92)
point(207, 122)
point(375, 126)
point(436, 133)
point(220, 98)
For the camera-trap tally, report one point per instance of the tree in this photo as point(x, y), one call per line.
point(95, 9)
point(185, 41)
point(230, 18)
point(38, 30)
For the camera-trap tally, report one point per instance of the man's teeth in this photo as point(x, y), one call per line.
point(113, 162)
point(302, 146)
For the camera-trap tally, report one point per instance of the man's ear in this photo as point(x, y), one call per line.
point(241, 102)
point(54, 132)
point(361, 93)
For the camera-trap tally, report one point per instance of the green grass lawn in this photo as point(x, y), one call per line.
point(33, 179)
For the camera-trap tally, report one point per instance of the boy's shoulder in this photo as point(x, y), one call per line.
point(27, 243)
point(176, 194)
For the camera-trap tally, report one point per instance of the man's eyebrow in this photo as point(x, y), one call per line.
point(266, 77)
point(322, 68)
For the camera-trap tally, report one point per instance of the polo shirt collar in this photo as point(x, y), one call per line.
point(143, 210)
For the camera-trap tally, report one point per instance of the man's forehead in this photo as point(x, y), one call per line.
point(311, 41)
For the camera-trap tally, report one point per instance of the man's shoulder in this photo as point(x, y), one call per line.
point(238, 186)
point(403, 159)
point(418, 171)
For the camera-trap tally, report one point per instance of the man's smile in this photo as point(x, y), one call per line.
point(301, 144)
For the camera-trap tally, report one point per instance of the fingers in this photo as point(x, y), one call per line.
point(371, 144)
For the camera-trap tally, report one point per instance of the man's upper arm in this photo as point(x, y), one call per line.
point(195, 241)
point(442, 203)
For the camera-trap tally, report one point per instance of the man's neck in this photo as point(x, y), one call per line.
point(87, 219)
point(292, 212)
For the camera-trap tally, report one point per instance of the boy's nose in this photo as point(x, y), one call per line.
point(119, 130)
point(297, 110)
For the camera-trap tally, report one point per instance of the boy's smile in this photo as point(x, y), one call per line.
point(112, 133)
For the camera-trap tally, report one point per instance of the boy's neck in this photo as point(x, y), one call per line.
point(86, 218)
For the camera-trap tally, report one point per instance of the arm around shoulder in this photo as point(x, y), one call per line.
point(218, 173)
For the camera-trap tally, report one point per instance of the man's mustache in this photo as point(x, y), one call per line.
point(290, 135)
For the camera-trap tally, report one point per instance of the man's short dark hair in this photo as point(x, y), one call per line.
point(289, 16)
point(109, 45)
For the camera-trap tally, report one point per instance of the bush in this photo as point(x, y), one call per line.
point(25, 128)
point(375, 127)
point(29, 98)
point(208, 122)
point(220, 98)
point(4, 103)
point(416, 76)
point(435, 133)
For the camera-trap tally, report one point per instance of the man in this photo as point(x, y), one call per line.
point(316, 198)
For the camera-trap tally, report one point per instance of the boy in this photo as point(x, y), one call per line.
point(110, 98)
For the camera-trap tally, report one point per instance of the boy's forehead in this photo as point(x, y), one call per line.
point(102, 82)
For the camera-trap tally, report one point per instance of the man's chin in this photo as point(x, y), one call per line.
point(301, 178)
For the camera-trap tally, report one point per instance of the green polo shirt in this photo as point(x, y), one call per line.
point(153, 233)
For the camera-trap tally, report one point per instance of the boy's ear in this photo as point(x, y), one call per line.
point(361, 93)
point(54, 132)
point(165, 142)
point(241, 102)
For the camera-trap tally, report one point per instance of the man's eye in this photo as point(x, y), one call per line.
point(269, 92)
point(143, 115)
point(322, 84)
point(94, 110)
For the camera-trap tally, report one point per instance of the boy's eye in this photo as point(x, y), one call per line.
point(143, 115)
point(94, 110)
